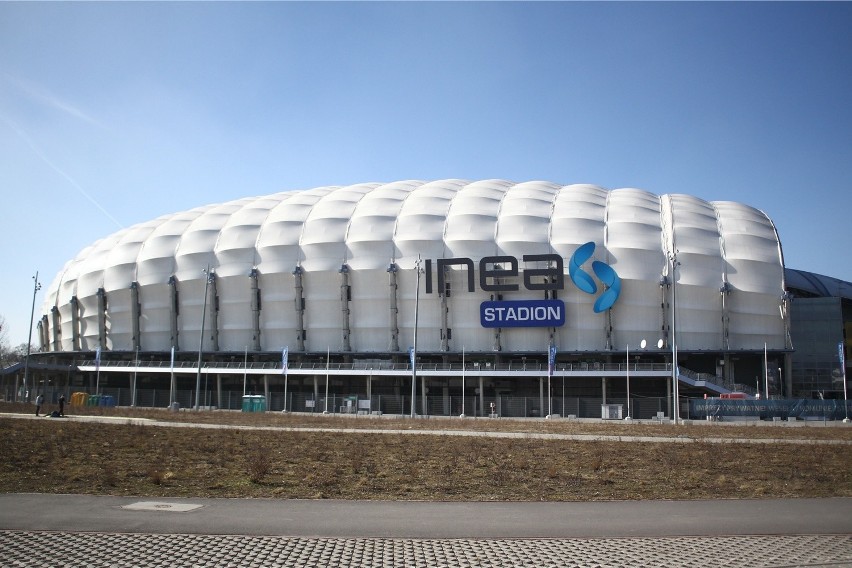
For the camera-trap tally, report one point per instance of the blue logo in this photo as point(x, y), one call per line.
point(605, 273)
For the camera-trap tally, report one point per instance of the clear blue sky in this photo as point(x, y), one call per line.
point(112, 114)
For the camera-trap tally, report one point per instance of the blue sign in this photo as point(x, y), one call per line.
point(522, 313)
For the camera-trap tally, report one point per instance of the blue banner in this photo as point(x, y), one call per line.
point(522, 313)
point(768, 409)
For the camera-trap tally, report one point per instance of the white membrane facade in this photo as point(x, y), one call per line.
point(334, 268)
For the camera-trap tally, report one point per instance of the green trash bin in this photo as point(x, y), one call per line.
point(94, 400)
point(254, 403)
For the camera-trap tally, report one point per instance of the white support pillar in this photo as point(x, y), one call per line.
point(316, 392)
point(266, 390)
point(481, 396)
point(424, 407)
point(218, 391)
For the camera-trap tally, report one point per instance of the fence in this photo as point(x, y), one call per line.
point(439, 405)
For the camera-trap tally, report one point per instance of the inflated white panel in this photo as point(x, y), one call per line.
point(633, 245)
point(472, 220)
point(323, 311)
point(278, 321)
point(278, 239)
point(122, 259)
point(236, 252)
point(369, 238)
point(578, 217)
point(323, 240)
point(156, 260)
point(699, 318)
point(463, 310)
point(584, 330)
point(67, 285)
point(524, 226)
point(751, 248)
point(637, 315)
point(422, 220)
point(197, 246)
point(88, 323)
point(756, 272)
point(235, 315)
point(155, 319)
point(633, 235)
point(369, 317)
point(65, 336)
point(94, 264)
point(191, 297)
point(120, 320)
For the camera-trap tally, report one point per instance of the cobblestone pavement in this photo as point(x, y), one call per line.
point(41, 548)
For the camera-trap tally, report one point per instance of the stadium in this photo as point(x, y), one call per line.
point(480, 298)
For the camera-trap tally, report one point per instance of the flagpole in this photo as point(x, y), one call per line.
point(98, 370)
point(135, 373)
point(172, 386)
point(551, 363)
point(245, 370)
point(765, 371)
point(327, 364)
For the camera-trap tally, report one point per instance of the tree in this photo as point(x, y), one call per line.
point(5, 350)
point(10, 355)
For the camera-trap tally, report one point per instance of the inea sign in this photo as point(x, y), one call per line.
point(530, 313)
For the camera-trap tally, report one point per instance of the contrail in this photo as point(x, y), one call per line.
point(44, 96)
point(56, 169)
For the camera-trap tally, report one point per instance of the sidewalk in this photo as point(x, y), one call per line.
point(77, 530)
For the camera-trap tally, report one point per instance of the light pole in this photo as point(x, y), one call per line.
point(675, 385)
point(36, 288)
point(207, 273)
point(642, 345)
point(327, 365)
point(551, 366)
point(418, 271)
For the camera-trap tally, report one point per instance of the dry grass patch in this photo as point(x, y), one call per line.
point(54, 455)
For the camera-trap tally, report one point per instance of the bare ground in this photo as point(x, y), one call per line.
point(53, 455)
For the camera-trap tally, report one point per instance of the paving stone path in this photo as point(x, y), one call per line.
point(51, 549)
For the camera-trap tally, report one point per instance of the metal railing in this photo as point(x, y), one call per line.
point(385, 366)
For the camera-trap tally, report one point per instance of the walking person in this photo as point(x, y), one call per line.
point(61, 405)
point(39, 402)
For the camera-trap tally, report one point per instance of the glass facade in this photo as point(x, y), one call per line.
point(818, 327)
